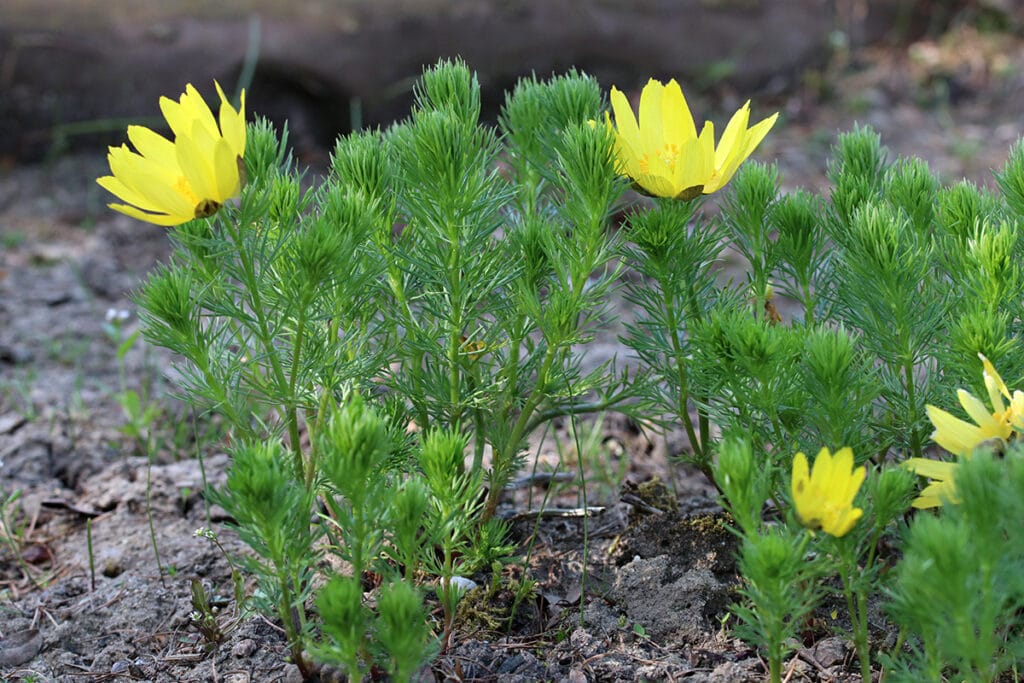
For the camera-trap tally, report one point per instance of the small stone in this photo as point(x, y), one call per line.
point(292, 674)
point(244, 648)
point(112, 567)
point(10, 422)
point(330, 674)
point(464, 584)
point(20, 647)
point(577, 676)
point(829, 651)
point(120, 667)
point(510, 664)
point(746, 671)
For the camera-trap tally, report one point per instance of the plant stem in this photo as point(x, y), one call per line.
point(682, 401)
point(775, 669)
point(267, 340)
point(149, 514)
point(455, 330)
point(300, 333)
point(915, 436)
point(519, 431)
point(291, 626)
point(808, 305)
point(856, 605)
point(543, 416)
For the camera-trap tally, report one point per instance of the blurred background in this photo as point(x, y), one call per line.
point(74, 73)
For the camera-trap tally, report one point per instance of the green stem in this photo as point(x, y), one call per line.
point(808, 305)
point(856, 605)
point(576, 409)
point(455, 329)
point(915, 435)
point(267, 340)
point(149, 513)
point(703, 424)
point(293, 380)
point(290, 621)
point(479, 420)
point(515, 437)
point(682, 401)
point(415, 364)
point(449, 607)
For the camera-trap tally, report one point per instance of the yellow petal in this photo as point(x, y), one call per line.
point(1017, 410)
point(196, 166)
point(153, 146)
point(675, 113)
point(757, 133)
point(232, 123)
point(933, 469)
point(116, 187)
point(651, 131)
point(730, 145)
point(851, 477)
point(225, 171)
point(953, 434)
point(198, 111)
point(821, 473)
point(155, 218)
point(936, 494)
point(627, 156)
point(994, 384)
point(187, 111)
point(625, 122)
point(976, 410)
point(841, 523)
point(800, 480)
point(657, 185)
point(154, 186)
point(696, 161)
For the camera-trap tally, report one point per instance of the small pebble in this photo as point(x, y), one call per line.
point(244, 648)
point(112, 567)
point(463, 584)
point(829, 651)
point(292, 674)
point(577, 676)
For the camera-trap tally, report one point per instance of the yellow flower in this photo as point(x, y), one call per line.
point(941, 489)
point(960, 437)
point(823, 498)
point(663, 153)
point(168, 183)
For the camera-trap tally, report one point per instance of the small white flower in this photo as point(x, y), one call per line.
point(117, 315)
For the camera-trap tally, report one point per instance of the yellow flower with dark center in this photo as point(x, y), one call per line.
point(662, 152)
point(823, 497)
point(168, 183)
point(960, 437)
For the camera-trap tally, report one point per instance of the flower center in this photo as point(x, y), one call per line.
point(666, 154)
